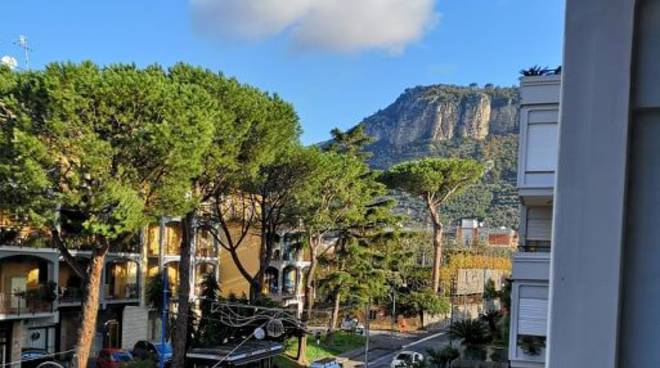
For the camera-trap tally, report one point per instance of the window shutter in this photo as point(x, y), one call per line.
point(539, 223)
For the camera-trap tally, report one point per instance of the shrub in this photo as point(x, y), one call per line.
point(472, 332)
point(442, 358)
point(531, 345)
point(499, 355)
point(475, 352)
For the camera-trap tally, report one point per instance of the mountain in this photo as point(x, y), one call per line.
point(454, 121)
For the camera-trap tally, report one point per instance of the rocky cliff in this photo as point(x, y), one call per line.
point(453, 121)
point(442, 112)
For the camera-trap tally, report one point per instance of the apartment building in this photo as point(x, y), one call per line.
point(604, 293)
point(41, 296)
point(537, 163)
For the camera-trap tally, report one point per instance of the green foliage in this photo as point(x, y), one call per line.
point(434, 177)
point(490, 292)
point(491, 319)
point(531, 345)
point(340, 343)
point(472, 332)
point(475, 352)
point(154, 292)
point(424, 300)
point(442, 358)
point(209, 328)
point(493, 199)
point(499, 355)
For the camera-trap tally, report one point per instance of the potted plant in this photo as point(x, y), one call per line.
point(531, 345)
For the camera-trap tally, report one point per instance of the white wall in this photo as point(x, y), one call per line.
point(591, 182)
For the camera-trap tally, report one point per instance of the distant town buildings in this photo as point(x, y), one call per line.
point(471, 232)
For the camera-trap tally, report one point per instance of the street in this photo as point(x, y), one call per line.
point(386, 346)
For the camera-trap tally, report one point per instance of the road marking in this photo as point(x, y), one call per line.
point(391, 355)
point(403, 347)
point(427, 338)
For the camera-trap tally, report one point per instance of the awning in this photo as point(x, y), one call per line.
point(250, 351)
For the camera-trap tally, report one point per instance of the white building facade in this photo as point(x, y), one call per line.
point(537, 163)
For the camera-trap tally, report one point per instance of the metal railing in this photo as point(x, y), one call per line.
point(130, 291)
point(71, 295)
point(27, 302)
point(534, 248)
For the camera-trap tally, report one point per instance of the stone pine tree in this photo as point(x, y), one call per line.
point(339, 194)
point(434, 180)
point(251, 129)
point(91, 154)
point(272, 192)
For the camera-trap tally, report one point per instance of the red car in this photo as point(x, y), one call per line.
point(113, 358)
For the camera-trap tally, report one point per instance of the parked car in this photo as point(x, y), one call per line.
point(352, 325)
point(326, 363)
point(113, 358)
point(33, 357)
point(41, 358)
point(406, 359)
point(154, 351)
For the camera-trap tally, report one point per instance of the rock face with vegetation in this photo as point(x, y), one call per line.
point(466, 122)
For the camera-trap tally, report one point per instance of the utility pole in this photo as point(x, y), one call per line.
point(452, 291)
point(22, 42)
point(163, 318)
point(366, 332)
point(393, 307)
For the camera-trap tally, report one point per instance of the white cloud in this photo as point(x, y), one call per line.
point(329, 25)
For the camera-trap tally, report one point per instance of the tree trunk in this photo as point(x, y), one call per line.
point(309, 279)
point(302, 350)
point(90, 308)
point(180, 335)
point(265, 256)
point(309, 297)
point(335, 312)
point(437, 246)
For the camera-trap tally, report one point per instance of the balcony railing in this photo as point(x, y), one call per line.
point(207, 252)
point(32, 301)
point(534, 248)
point(129, 291)
point(71, 295)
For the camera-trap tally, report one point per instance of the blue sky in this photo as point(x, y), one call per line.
point(482, 41)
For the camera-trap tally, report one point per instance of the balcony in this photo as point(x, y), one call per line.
point(205, 245)
point(121, 281)
point(539, 116)
point(27, 288)
point(531, 266)
point(32, 302)
point(529, 314)
point(284, 284)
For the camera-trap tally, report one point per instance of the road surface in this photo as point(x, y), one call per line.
point(382, 354)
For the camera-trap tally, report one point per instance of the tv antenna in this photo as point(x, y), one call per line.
point(22, 42)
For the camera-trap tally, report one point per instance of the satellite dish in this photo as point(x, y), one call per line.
point(9, 61)
point(259, 333)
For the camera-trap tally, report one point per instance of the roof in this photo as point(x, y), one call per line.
point(250, 351)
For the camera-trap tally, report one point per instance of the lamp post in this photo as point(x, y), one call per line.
point(163, 318)
point(393, 307)
point(366, 333)
point(452, 291)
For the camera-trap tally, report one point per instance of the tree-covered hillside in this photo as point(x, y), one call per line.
point(454, 121)
point(493, 199)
